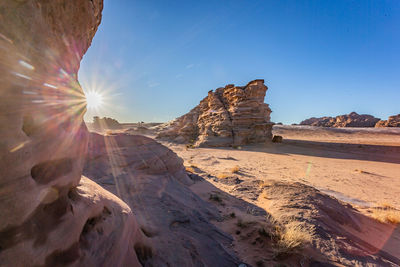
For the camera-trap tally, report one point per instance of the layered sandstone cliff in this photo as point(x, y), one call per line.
point(50, 216)
point(229, 116)
point(350, 120)
point(392, 121)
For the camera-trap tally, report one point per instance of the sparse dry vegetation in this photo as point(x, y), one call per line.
point(267, 183)
point(263, 195)
point(242, 224)
point(189, 146)
point(222, 175)
point(215, 197)
point(263, 232)
point(189, 169)
point(291, 238)
point(386, 214)
point(235, 169)
point(386, 205)
point(227, 174)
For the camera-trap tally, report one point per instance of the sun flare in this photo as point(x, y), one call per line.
point(94, 100)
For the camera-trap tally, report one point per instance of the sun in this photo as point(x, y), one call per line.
point(94, 100)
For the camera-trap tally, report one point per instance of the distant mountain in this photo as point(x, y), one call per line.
point(349, 120)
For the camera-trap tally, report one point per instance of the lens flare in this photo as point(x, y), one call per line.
point(94, 100)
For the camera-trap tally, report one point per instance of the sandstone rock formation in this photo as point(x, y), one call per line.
point(152, 180)
point(392, 121)
point(49, 215)
point(230, 116)
point(350, 120)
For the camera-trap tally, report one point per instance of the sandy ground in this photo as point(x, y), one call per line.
point(357, 166)
point(354, 165)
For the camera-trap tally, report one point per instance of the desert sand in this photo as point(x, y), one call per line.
point(320, 177)
point(360, 166)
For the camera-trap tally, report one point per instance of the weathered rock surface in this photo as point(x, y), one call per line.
point(49, 215)
point(350, 120)
point(392, 121)
point(152, 180)
point(232, 115)
point(342, 235)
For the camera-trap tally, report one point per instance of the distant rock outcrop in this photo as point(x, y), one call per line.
point(392, 121)
point(50, 214)
point(105, 123)
point(230, 116)
point(350, 120)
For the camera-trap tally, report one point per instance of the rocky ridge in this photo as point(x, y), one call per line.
point(350, 120)
point(392, 121)
point(229, 116)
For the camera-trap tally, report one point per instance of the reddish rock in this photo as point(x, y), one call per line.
point(50, 216)
point(392, 121)
point(152, 180)
point(350, 120)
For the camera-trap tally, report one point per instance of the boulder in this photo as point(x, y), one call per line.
point(229, 116)
point(277, 139)
point(50, 215)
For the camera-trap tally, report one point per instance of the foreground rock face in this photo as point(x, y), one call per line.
point(392, 121)
point(341, 234)
point(232, 115)
point(49, 215)
point(152, 180)
point(350, 120)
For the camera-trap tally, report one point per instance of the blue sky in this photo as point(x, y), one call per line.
point(154, 60)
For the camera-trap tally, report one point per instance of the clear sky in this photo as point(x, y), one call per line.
point(154, 60)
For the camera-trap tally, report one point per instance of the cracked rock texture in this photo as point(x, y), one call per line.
point(50, 216)
point(229, 116)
